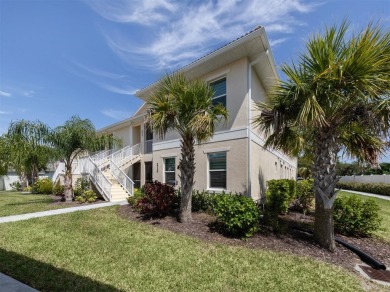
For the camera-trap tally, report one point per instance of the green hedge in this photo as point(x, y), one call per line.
point(355, 216)
point(375, 188)
point(280, 195)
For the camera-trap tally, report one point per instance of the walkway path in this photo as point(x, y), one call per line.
point(58, 211)
point(8, 284)
point(369, 195)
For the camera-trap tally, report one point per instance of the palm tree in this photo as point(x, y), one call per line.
point(76, 137)
point(30, 151)
point(185, 106)
point(336, 97)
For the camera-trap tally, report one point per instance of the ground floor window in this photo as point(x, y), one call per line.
point(217, 170)
point(170, 177)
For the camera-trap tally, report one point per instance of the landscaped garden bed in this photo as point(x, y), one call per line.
point(203, 227)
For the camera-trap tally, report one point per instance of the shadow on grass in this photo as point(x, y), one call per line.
point(45, 277)
point(31, 202)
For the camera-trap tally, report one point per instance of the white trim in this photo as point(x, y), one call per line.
point(208, 173)
point(260, 141)
point(212, 150)
point(217, 76)
point(169, 155)
point(233, 134)
point(170, 171)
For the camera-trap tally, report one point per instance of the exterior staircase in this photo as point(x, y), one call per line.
point(105, 171)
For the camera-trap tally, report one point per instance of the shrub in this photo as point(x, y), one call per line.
point(203, 201)
point(159, 200)
point(305, 195)
point(355, 216)
point(16, 186)
point(138, 195)
point(87, 196)
point(238, 215)
point(42, 186)
point(58, 189)
point(82, 184)
point(280, 194)
point(375, 188)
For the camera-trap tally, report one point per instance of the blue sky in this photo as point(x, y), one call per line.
point(64, 57)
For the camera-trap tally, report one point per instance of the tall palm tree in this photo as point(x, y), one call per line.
point(75, 137)
point(336, 97)
point(185, 106)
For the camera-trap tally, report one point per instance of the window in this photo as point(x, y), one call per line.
point(217, 170)
point(170, 178)
point(219, 88)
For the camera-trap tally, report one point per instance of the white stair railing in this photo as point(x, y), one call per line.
point(104, 185)
point(122, 178)
point(125, 155)
point(60, 170)
point(101, 157)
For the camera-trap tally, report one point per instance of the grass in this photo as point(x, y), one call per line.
point(15, 203)
point(384, 205)
point(97, 250)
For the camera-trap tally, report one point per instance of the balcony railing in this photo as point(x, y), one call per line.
point(148, 146)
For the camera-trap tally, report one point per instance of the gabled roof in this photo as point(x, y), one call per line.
point(249, 45)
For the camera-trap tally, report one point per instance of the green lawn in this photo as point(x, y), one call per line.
point(384, 230)
point(14, 203)
point(97, 250)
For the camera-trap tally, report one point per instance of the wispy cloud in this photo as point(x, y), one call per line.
point(195, 27)
point(117, 114)
point(145, 12)
point(6, 94)
point(29, 93)
point(112, 82)
point(5, 113)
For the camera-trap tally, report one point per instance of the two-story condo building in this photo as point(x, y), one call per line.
point(241, 73)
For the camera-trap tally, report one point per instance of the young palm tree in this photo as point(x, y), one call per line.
point(337, 97)
point(185, 106)
point(72, 139)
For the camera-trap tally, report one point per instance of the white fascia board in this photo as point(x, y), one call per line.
point(234, 134)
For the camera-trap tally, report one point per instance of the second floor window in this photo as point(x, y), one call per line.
point(219, 88)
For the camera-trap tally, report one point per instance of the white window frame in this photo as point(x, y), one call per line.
point(169, 171)
point(225, 95)
point(209, 170)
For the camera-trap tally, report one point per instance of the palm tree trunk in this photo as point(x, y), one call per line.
point(187, 171)
point(325, 179)
point(68, 190)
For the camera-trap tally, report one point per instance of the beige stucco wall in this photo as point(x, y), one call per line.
point(236, 96)
point(236, 163)
point(124, 134)
point(265, 166)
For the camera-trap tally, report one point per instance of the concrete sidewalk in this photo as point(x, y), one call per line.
point(20, 217)
point(369, 195)
point(8, 284)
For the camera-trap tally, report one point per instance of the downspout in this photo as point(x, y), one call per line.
point(249, 134)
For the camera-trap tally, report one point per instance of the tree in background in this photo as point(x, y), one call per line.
point(74, 138)
point(28, 148)
point(337, 96)
point(185, 106)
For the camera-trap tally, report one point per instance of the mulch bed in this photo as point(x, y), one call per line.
point(57, 201)
point(292, 241)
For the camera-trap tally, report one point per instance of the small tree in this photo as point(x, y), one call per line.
point(72, 139)
point(336, 97)
point(185, 106)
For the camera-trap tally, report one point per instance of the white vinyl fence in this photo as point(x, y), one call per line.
point(377, 178)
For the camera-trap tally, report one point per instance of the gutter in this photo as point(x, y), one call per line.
point(250, 65)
